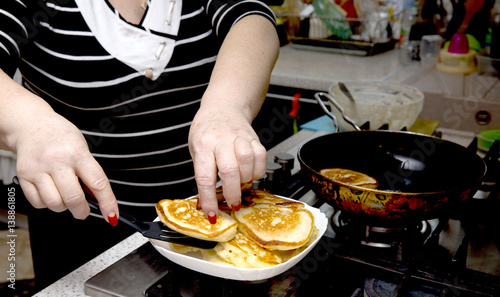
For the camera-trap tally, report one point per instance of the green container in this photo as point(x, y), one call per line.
point(486, 138)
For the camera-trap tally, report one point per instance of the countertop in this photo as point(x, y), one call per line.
point(453, 99)
point(317, 71)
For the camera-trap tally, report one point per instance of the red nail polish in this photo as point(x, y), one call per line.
point(212, 218)
point(198, 205)
point(237, 207)
point(112, 219)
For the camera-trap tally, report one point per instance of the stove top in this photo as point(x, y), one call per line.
point(455, 255)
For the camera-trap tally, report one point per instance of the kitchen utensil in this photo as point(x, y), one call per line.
point(419, 176)
point(194, 260)
point(378, 102)
point(346, 92)
point(157, 230)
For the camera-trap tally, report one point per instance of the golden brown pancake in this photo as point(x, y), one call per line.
point(182, 216)
point(287, 255)
point(350, 177)
point(275, 227)
point(252, 197)
point(243, 253)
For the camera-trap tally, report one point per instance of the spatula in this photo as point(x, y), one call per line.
point(158, 230)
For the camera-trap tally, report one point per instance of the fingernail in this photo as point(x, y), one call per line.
point(198, 205)
point(212, 217)
point(112, 219)
point(237, 206)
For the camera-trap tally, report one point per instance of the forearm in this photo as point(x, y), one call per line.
point(241, 75)
point(18, 108)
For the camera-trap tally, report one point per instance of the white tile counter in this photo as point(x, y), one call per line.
point(72, 284)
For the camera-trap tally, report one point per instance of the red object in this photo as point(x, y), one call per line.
point(295, 106)
point(459, 44)
point(237, 207)
point(348, 7)
point(212, 218)
point(113, 219)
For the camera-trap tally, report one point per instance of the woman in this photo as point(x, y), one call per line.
point(138, 100)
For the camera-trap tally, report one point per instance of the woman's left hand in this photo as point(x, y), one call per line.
point(223, 142)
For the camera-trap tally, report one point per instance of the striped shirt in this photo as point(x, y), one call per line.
point(132, 90)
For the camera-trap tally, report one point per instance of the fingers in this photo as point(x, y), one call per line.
point(244, 164)
point(71, 193)
point(243, 151)
point(230, 170)
point(251, 157)
point(50, 177)
point(260, 159)
point(206, 176)
point(31, 193)
point(57, 193)
point(224, 145)
point(98, 184)
point(61, 190)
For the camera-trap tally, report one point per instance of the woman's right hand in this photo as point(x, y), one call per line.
point(52, 155)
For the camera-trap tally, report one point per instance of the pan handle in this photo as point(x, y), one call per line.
point(330, 114)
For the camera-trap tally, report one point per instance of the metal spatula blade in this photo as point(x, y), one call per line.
point(157, 230)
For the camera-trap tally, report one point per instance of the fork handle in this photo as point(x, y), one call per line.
point(124, 217)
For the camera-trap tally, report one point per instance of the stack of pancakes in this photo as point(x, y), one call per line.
point(266, 231)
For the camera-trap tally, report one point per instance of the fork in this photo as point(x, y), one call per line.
point(158, 230)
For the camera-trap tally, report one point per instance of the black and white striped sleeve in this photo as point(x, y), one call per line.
point(225, 13)
point(13, 33)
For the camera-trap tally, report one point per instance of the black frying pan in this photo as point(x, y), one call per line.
point(418, 175)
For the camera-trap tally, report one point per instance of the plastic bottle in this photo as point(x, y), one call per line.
point(408, 50)
point(407, 21)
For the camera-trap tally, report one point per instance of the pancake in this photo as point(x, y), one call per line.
point(182, 216)
point(252, 197)
point(243, 253)
point(275, 227)
point(350, 177)
point(288, 254)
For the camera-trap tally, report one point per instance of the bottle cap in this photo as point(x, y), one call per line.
point(459, 44)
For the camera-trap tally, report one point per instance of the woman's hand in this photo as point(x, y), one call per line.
point(221, 139)
point(52, 155)
point(224, 141)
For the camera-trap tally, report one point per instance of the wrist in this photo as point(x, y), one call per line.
point(21, 115)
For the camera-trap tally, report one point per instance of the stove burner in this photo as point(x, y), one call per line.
point(377, 234)
point(380, 288)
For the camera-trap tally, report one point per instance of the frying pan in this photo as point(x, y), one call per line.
point(419, 176)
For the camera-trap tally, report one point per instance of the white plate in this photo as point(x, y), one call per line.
point(194, 261)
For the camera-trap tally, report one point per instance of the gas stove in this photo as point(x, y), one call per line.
point(454, 255)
